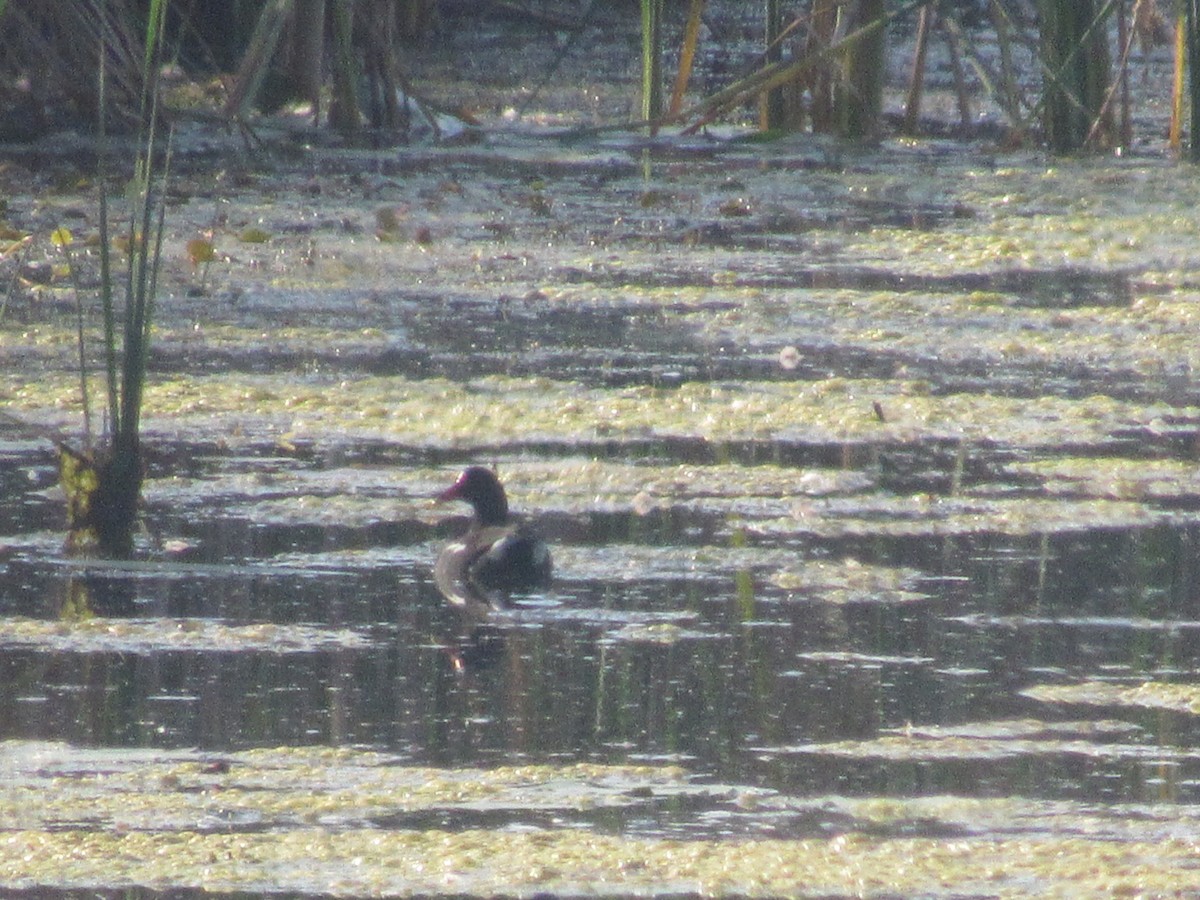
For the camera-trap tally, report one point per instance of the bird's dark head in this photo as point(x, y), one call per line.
point(482, 489)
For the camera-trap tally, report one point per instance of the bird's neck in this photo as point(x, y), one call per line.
point(493, 511)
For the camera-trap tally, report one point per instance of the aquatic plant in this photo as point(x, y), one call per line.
point(859, 97)
point(1193, 64)
point(103, 480)
point(44, 47)
point(652, 93)
point(771, 105)
point(861, 69)
point(1075, 57)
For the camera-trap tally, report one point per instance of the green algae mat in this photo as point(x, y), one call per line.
point(345, 823)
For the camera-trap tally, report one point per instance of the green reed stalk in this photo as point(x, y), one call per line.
point(1075, 57)
point(652, 53)
point(103, 487)
point(771, 111)
point(1193, 57)
point(860, 95)
point(145, 241)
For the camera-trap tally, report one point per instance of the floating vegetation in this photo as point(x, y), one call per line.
point(631, 562)
point(566, 863)
point(849, 581)
point(1181, 698)
point(645, 487)
point(851, 660)
point(147, 636)
point(967, 817)
point(930, 515)
point(289, 787)
point(529, 411)
point(183, 820)
point(1118, 479)
point(1067, 623)
point(1023, 729)
point(664, 633)
point(990, 742)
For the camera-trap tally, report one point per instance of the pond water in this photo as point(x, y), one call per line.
point(870, 479)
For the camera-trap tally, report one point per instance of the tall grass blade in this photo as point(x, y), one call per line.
point(257, 57)
point(144, 256)
point(1175, 132)
point(1010, 95)
point(106, 284)
point(62, 237)
point(860, 94)
point(652, 92)
point(154, 39)
point(344, 112)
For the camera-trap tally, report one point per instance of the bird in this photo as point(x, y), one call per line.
point(497, 556)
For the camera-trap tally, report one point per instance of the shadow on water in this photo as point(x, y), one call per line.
point(1058, 288)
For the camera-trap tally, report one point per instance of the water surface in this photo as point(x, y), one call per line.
point(871, 486)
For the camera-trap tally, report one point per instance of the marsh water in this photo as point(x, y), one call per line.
point(870, 476)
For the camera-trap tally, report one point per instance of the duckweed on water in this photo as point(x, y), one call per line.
point(172, 820)
point(515, 411)
point(566, 863)
point(939, 516)
point(148, 636)
point(294, 787)
point(1120, 479)
point(849, 581)
point(930, 746)
point(1180, 698)
point(664, 633)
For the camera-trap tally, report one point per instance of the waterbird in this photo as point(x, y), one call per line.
point(497, 555)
